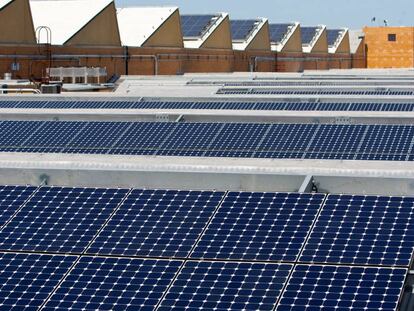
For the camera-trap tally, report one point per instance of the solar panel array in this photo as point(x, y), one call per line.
point(308, 33)
point(342, 92)
point(279, 31)
point(196, 25)
point(214, 105)
point(333, 36)
point(242, 29)
point(250, 140)
point(131, 249)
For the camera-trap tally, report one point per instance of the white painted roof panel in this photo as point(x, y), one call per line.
point(65, 18)
point(3, 3)
point(137, 24)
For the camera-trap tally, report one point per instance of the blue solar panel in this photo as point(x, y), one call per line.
point(342, 289)
point(98, 136)
point(237, 140)
point(363, 230)
point(337, 139)
point(114, 284)
point(196, 25)
point(277, 91)
point(59, 219)
point(53, 136)
point(242, 29)
point(259, 226)
point(13, 134)
point(312, 141)
point(11, 198)
point(27, 280)
point(382, 140)
point(290, 138)
point(226, 286)
point(216, 105)
point(157, 223)
point(308, 33)
point(333, 35)
point(143, 138)
point(190, 139)
point(279, 31)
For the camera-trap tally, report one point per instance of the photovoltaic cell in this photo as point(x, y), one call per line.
point(242, 29)
point(26, 280)
point(259, 226)
point(333, 35)
point(216, 105)
point(279, 31)
point(11, 198)
point(342, 288)
point(157, 223)
point(307, 141)
point(196, 25)
point(363, 230)
point(59, 219)
point(99, 136)
point(14, 133)
point(226, 286)
point(237, 139)
point(308, 33)
point(114, 284)
point(190, 139)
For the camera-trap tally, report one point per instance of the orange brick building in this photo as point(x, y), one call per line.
point(389, 47)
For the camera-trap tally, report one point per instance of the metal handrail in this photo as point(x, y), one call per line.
point(22, 90)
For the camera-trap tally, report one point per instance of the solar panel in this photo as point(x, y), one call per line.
point(13, 134)
point(363, 230)
point(114, 284)
point(143, 138)
point(291, 139)
point(333, 35)
point(26, 280)
point(379, 140)
point(309, 92)
point(343, 288)
point(242, 29)
point(190, 139)
point(98, 136)
point(60, 219)
point(157, 223)
point(279, 31)
point(196, 25)
point(11, 198)
point(259, 226)
point(237, 140)
point(53, 136)
point(226, 286)
point(312, 141)
point(308, 33)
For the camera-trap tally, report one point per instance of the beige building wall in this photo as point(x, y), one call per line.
point(16, 23)
point(344, 47)
point(168, 34)
point(102, 30)
point(261, 41)
point(220, 38)
point(321, 45)
point(294, 44)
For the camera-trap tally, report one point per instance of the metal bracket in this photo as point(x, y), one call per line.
point(180, 118)
point(44, 179)
point(308, 185)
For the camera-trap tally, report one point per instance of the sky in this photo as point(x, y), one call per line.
point(353, 14)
